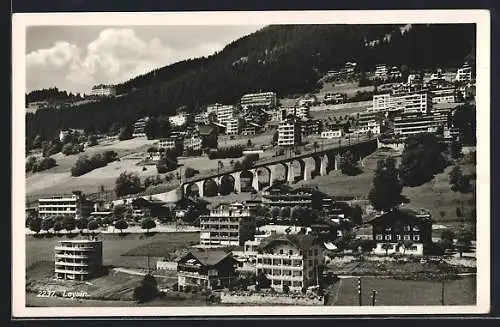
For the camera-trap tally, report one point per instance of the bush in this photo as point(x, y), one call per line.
point(121, 224)
point(230, 152)
point(84, 164)
point(190, 172)
point(44, 164)
point(30, 163)
point(147, 224)
point(127, 183)
point(147, 291)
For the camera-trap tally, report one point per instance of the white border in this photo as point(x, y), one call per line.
point(480, 17)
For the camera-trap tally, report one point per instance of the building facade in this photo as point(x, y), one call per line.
point(228, 224)
point(206, 269)
point(103, 91)
point(139, 127)
point(264, 99)
point(464, 74)
point(331, 134)
point(233, 126)
point(78, 259)
point(293, 261)
point(393, 229)
point(290, 132)
point(410, 124)
point(170, 143)
point(75, 205)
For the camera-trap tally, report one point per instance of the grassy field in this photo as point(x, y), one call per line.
point(398, 292)
point(435, 195)
point(58, 180)
point(114, 248)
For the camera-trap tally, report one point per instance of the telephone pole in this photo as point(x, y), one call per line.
point(360, 298)
point(374, 294)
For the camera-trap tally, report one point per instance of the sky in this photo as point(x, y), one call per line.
point(74, 58)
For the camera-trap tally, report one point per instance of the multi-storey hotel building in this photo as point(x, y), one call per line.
point(228, 224)
point(75, 205)
point(233, 126)
point(464, 74)
point(290, 132)
point(265, 99)
point(103, 90)
point(407, 102)
point(78, 259)
point(292, 260)
point(405, 125)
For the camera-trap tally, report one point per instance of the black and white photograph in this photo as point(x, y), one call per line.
point(251, 163)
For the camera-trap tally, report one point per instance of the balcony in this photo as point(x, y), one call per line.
point(72, 256)
point(70, 248)
point(270, 266)
point(73, 264)
point(68, 271)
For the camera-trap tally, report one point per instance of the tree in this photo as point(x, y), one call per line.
point(147, 291)
point(386, 247)
point(297, 213)
point(464, 118)
point(386, 191)
point(249, 143)
point(249, 160)
point(30, 163)
point(422, 158)
point(37, 142)
point(92, 140)
point(190, 172)
point(127, 183)
point(147, 224)
point(275, 138)
point(152, 128)
point(35, 224)
point(210, 188)
point(82, 223)
point(275, 212)
point(121, 224)
point(167, 162)
point(93, 225)
point(356, 215)
point(285, 212)
point(69, 223)
point(406, 245)
point(226, 185)
point(47, 224)
point(456, 149)
point(349, 164)
point(447, 238)
point(119, 211)
point(58, 226)
point(126, 132)
point(464, 240)
point(455, 175)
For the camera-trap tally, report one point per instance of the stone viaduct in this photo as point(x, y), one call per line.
point(304, 166)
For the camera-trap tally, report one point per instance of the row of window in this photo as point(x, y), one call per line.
point(406, 228)
point(388, 237)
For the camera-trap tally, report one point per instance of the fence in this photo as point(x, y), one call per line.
point(263, 299)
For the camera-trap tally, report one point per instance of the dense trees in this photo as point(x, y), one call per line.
point(287, 59)
point(127, 183)
point(36, 165)
point(386, 191)
point(349, 164)
point(35, 224)
point(422, 158)
point(190, 172)
point(458, 181)
point(84, 164)
point(157, 127)
point(464, 118)
point(126, 132)
point(167, 162)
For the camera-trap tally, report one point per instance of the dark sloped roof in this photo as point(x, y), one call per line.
point(301, 241)
point(205, 129)
point(208, 257)
point(402, 214)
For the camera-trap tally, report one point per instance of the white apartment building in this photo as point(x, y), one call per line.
point(416, 124)
point(169, 143)
point(192, 143)
point(233, 126)
point(201, 118)
point(331, 134)
point(78, 259)
point(228, 224)
point(290, 260)
point(381, 72)
point(266, 99)
point(178, 120)
point(103, 90)
point(302, 112)
point(289, 132)
point(445, 95)
point(139, 127)
point(408, 102)
point(74, 205)
point(464, 74)
point(224, 113)
point(369, 126)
